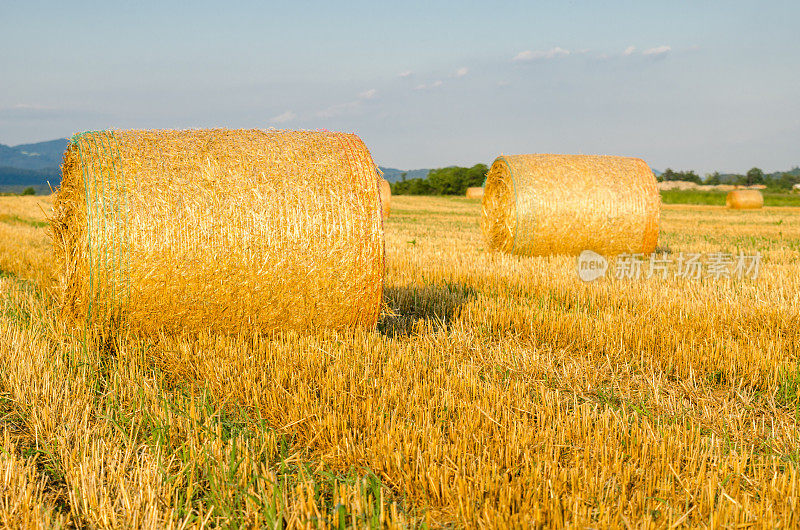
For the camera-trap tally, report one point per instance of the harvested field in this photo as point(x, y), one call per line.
point(497, 390)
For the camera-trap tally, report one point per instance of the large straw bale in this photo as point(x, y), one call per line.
point(386, 196)
point(539, 204)
point(744, 199)
point(475, 193)
point(225, 230)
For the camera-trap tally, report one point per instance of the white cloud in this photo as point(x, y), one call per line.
point(405, 73)
point(658, 51)
point(461, 72)
point(343, 108)
point(283, 118)
point(503, 84)
point(629, 51)
point(552, 53)
point(527, 55)
point(31, 106)
point(423, 86)
point(338, 110)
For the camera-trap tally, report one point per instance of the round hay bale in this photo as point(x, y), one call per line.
point(475, 193)
point(223, 230)
point(536, 205)
point(386, 196)
point(744, 199)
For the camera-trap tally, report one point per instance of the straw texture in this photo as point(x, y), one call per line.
point(744, 199)
point(386, 196)
point(227, 230)
point(475, 193)
point(536, 205)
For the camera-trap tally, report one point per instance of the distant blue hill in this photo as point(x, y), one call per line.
point(393, 175)
point(37, 163)
point(33, 165)
point(13, 176)
point(42, 155)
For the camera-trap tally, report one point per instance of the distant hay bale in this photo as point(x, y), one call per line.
point(475, 193)
point(537, 205)
point(677, 185)
point(222, 230)
point(744, 199)
point(386, 196)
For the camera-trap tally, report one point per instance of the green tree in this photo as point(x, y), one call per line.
point(668, 175)
point(786, 181)
point(28, 191)
point(411, 187)
point(455, 180)
point(688, 176)
point(754, 176)
point(713, 179)
point(452, 180)
point(691, 176)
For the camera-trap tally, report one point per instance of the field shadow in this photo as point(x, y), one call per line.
point(410, 306)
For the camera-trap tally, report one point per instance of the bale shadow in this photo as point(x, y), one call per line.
point(409, 306)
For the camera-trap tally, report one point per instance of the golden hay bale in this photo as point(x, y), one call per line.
point(744, 199)
point(537, 205)
point(223, 230)
point(386, 196)
point(475, 193)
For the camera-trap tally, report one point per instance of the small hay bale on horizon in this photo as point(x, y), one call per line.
point(474, 192)
point(386, 196)
point(744, 199)
point(543, 204)
point(221, 230)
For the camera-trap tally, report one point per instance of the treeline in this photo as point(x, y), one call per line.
point(778, 181)
point(452, 180)
point(455, 180)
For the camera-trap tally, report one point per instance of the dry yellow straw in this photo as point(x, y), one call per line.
point(386, 196)
point(744, 199)
point(537, 205)
point(228, 230)
point(474, 193)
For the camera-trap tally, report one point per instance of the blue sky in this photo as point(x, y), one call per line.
point(703, 85)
